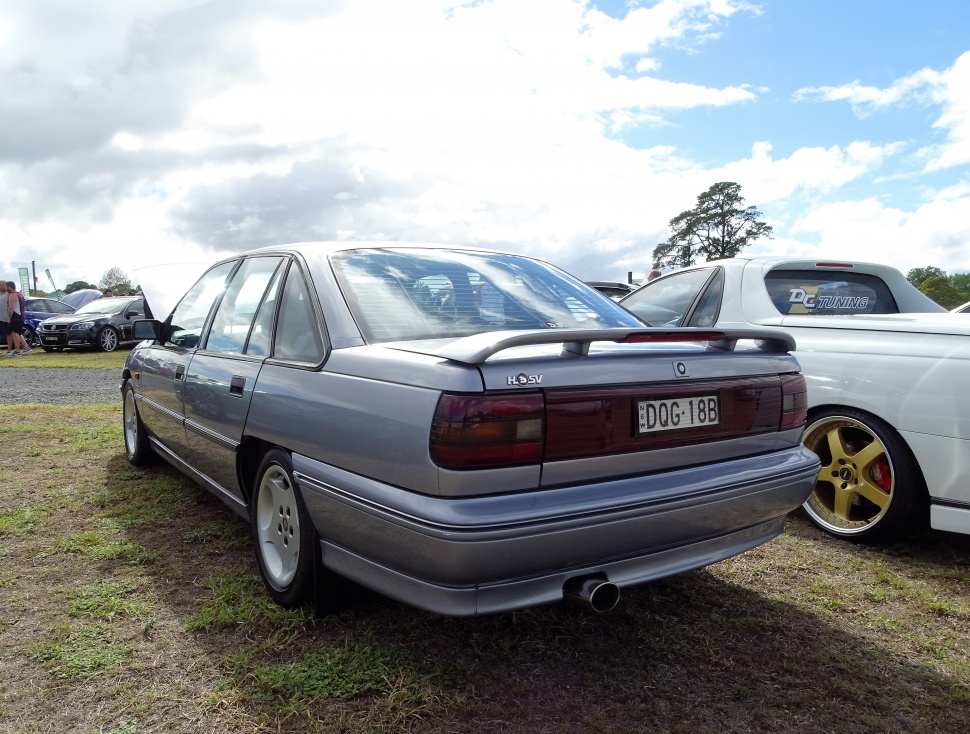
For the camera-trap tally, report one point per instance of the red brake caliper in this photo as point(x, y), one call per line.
point(882, 475)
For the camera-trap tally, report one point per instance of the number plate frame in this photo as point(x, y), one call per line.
point(675, 414)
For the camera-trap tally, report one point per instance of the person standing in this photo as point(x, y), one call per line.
point(4, 326)
point(654, 274)
point(16, 345)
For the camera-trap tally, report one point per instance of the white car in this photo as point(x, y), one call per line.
point(889, 412)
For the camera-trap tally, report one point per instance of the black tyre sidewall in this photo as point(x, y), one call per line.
point(142, 454)
point(299, 589)
point(908, 507)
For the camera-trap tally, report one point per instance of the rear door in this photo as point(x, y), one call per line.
point(222, 373)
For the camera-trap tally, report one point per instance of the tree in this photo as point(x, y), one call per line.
point(117, 280)
point(961, 281)
point(78, 285)
point(938, 288)
point(719, 226)
point(916, 276)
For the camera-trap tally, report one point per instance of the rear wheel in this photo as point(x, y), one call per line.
point(282, 532)
point(30, 336)
point(869, 487)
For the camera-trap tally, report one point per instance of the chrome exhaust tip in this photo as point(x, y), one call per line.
point(593, 592)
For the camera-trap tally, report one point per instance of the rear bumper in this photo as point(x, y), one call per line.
point(488, 554)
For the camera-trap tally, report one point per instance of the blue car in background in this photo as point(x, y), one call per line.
point(39, 309)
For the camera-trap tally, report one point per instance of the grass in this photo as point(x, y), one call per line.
point(130, 602)
point(69, 358)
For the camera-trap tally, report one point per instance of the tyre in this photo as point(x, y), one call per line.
point(137, 447)
point(108, 339)
point(869, 487)
point(30, 336)
point(282, 532)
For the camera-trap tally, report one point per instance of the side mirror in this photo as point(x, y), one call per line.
point(146, 329)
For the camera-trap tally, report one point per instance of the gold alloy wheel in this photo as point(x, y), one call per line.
point(857, 482)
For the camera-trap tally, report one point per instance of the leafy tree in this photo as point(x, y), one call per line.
point(78, 285)
point(719, 226)
point(117, 280)
point(961, 281)
point(938, 288)
point(916, 276)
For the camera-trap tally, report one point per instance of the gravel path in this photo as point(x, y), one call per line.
point(59, 386)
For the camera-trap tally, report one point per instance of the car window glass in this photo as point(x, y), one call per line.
point(136, 309)
point(664, 302)
point(58, 307)
point(828, 293)
point(36, 304)
point(297, 332)
point(189, 316)
point(420, 293)
point(237, 309)
point(709, 305)
point(262, 331)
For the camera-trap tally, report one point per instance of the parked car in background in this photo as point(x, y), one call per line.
point(103, 324)
point(39, 309)
point(465, 431)
point(886, 368)
point(614, 290)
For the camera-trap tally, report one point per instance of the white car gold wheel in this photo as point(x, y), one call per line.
point(868, 485)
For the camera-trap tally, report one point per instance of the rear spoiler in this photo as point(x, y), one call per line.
point(477, 348)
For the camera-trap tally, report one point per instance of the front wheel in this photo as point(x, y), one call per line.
point(869, 486)
point(282, 532)
point(108, 339)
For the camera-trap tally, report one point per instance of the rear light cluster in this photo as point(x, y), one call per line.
point(488, 431)
point(794, 401)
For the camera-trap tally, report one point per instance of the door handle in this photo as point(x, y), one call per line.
point(179, 372)
point(236, 385)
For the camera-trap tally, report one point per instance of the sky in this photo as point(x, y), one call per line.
point(136, 133)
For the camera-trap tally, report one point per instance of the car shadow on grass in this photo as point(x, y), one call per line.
point(767, 642)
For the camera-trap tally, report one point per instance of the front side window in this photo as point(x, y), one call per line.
point(421, 294)
point(666, 302)
point(234, 317)
point(828, 293)
point(189, 316)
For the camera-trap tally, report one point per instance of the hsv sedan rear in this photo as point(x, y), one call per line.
point(465, 431)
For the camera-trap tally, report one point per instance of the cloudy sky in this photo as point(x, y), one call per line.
point(139, 132)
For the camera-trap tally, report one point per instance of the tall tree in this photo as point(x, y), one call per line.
point(117, 280)
point(916, 276)
point(719, 226)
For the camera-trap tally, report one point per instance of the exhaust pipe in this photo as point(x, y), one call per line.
point(593, 592)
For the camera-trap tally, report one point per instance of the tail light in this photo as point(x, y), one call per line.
point(488, 431)
point(794, 401)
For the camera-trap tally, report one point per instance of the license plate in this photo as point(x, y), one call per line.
point(48, 339)
point(677, 413)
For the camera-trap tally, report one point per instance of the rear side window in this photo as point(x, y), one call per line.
point(666, 302)
point(297, 331)
point(823, 293)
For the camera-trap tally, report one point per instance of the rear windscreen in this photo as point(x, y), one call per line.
point(397, 294)
point(821, 293)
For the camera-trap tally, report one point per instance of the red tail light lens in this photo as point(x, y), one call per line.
point(794, 401)
point(488, 431)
